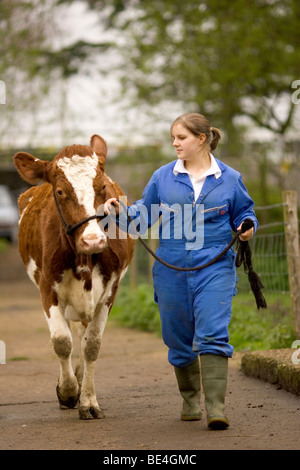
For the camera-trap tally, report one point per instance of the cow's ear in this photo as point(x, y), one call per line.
point(31, 169)
point(99, 146)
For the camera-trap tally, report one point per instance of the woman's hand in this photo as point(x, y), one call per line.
point(112, 202)
point(246, 235)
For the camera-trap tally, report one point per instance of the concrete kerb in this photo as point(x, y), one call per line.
point(274, 366)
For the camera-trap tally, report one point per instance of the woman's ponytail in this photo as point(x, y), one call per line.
point(215, 137)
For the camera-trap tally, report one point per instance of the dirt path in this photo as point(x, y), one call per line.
point(136, 388)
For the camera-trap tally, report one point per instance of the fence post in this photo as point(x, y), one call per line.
point(293, 252)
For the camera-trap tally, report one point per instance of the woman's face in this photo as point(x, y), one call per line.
point(186, 144)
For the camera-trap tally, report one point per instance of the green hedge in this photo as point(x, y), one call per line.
point(137, 309)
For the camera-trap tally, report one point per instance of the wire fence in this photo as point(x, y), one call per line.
point(269, 255)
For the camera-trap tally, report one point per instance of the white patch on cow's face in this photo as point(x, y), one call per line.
point(80, 172)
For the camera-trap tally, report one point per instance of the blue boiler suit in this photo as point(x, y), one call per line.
point(195, 307)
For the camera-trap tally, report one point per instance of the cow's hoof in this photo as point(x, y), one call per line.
point(90, 412)
point(66, 402)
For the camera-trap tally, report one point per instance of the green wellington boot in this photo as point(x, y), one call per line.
point(214, 371)
point(188, 379)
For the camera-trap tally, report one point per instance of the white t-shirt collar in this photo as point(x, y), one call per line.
point(198, 184)
point(213, 170)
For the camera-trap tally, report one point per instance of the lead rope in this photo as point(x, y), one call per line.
point(244, 256)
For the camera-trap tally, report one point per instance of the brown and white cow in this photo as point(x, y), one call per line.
point(70, 258)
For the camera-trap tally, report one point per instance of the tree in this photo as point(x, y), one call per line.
point(225, 59)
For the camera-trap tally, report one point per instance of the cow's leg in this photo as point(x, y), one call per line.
point(80, 329)
point(67, 388)
point(91, 342)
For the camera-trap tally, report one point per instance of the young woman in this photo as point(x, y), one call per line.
point(201, 201)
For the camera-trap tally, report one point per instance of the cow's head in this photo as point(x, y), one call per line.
point(79, 184)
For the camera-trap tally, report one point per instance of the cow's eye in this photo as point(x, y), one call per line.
point(101, 189)
point(59, 192)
